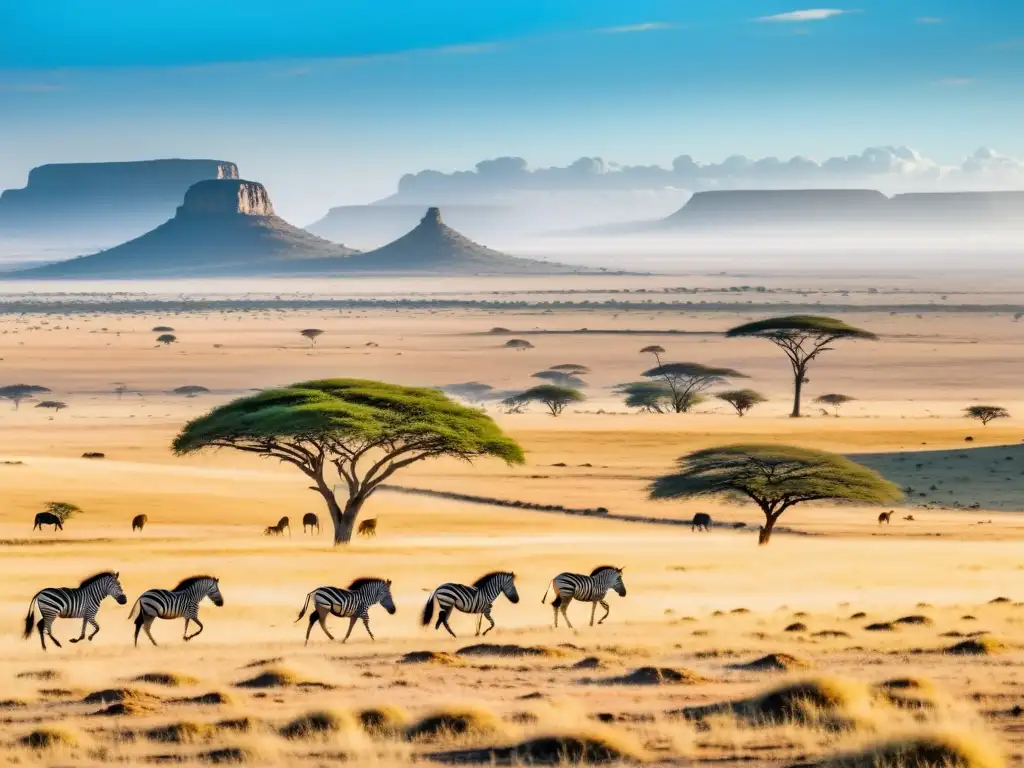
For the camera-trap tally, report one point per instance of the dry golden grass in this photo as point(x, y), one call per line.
point(945, 749)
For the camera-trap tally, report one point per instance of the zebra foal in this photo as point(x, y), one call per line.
point(587, 589)
point(352, 603)
point(81, 602)
point(182, 602)
point(478, 599)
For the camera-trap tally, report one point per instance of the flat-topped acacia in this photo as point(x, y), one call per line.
point(366, 430)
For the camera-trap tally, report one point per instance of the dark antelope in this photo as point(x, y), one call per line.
point(48, 518)
point(885, 517)
point(277, 530)
point(139, 522)
point(368, 528)
point(312, 521)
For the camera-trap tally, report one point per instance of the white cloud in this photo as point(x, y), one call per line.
point(810, 14)
point(649, 26)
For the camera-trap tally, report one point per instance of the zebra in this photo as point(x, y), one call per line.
point(587, 589)
point(181, 602)
point(352, 603)
point(475, 599)
point(47, 518)
point(312, 521)
point(81, 602)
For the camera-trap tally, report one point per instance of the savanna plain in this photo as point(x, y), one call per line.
point(842, 642)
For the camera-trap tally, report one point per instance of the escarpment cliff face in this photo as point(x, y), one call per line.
point(223, 227)
point(433, 247)
point(101, 202)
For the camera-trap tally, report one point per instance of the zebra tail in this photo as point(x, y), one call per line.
point(428, 610)
point(545, 598)
point(305, 606)
point(135, 609)
point(30, 619)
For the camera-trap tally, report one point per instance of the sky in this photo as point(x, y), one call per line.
point(330, 102)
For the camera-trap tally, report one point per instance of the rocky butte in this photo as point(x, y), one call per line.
point(433, 247)
point(223, 227)
point(101, 203)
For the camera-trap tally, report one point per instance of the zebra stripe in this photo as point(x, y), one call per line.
point(475, 599)
point(81, 602)
point(182, 602)
point(587, 589)
point(353, 604)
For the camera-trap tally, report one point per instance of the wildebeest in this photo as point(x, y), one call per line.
point(277, 530)
point(701, 522)
point(48, 518)
point(139, 522)
point(884, 517)
point(312, 521)
point(368, 527)
point(909, 517)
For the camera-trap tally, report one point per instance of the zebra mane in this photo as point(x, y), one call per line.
point(601, 568)
point(487, 577)
point(362, 581)
point(185, 583)
point(95, 578)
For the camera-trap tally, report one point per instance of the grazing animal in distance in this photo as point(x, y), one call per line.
point(278, 529)
point(885, 517)
point(139, 522)
point(368, 528)
point(312, 521)
point(587, 589)
point(352, 603)
point(478, 598)
point(182, 602)
point(81, 602)
point(283, 523)
point(701, 522)
point(909, 518)
point(47, 518)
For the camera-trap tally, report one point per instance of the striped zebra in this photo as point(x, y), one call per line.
point(352, 603)
point(182, 602)
point(81, 602)
point(587, 589)
point(475, 599)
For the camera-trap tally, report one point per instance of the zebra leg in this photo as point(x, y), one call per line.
point(565, 611)
point(195, 634)
point(607, 610)
point(479, 624)
point(147, 625)
point(366, 623)
point(351, 623)
point(184, 634)
point(96, 631)
point(139, 621)
point(42, 637)
point(487, 614)
point(312, 620)
point(593, 610)
point(555, 608)
point(81, 637)
point(322, 616)
point(443, 619)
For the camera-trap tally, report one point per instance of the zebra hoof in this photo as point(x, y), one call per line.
point(74, 639)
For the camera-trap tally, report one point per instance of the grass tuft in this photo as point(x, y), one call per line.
point(48, 737)
point(774, 662)
point(932, 750)
point(318, 724)
point(456, 721)
point(167, 679)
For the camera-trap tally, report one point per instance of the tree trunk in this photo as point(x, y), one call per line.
point(766, 530)
point(798, 385)
point(345, 522)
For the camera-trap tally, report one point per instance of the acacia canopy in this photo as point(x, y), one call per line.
point(556, 398)
point(802, 338)
point(346, 423)
point(686, 381)
point(741, 399)
point(16, 393)
point(986, 413)
point(775, 477)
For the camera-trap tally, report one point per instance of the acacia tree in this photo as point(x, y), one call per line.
point(742, 399)
point(652, 396)
point(561, 378)
point(167, 338)
point(835, 400)
point(556, 398)
point(55, 405)
point(775, 477)
point(63, 510)
point(519, 345)
point(471, 391)
point(190, 390)
point(311, 334)
point(802, 338)
point(365, 430)
point(654, 349)
point(986, 413)
point(17, 393)
point(687, 381)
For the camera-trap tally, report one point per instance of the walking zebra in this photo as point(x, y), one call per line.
point(475, 599)
point(182, 602)
point(587, 589)
point(352, 603)
point(81, 602)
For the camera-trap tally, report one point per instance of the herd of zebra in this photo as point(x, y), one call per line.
point(353, 602)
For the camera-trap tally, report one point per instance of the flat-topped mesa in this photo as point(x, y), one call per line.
point(226, 197)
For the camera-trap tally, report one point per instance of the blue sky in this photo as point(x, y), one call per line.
point(329, 102)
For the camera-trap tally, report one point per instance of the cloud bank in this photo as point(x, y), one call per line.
point(890, 169)
point(810, 14)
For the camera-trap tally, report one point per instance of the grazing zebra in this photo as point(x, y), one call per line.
point(475, 599)
point(81, 602)
point(182, 602)
point(352, 603)
point(312, 521)
point(48, 518)
point(139, 522)
point(587, 589)
point(701, 521)
point(368, 528)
